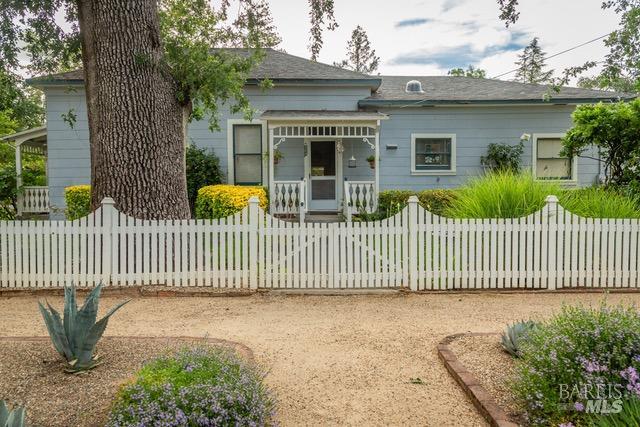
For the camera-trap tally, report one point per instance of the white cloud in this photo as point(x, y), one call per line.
point(559, 24)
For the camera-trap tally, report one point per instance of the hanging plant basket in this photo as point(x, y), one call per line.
point(372, 162)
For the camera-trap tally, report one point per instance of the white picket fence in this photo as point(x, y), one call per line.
point(551, 249)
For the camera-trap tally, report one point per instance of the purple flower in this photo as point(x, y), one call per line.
point(578, 406)
point(569, 424)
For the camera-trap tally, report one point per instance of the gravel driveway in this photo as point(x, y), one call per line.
point(334, 360)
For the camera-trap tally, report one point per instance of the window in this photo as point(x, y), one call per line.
point(433, 154)
point(548, 162)
point(247, 154)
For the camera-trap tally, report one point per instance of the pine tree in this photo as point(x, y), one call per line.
point(360, 56)
point(531, 65)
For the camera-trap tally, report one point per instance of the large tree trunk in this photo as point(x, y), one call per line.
point(136, 124)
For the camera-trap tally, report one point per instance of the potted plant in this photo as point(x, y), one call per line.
point(277, 156)
point(372, 161)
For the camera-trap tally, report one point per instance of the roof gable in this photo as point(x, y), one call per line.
point(278, 66)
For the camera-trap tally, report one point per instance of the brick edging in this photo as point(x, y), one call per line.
point(480, 397)
point(242, 349)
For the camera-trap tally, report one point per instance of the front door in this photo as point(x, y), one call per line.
point(322, 170)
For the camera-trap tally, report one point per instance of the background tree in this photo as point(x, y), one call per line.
point(621, 68)
point(20, 109)
point(360, 56)
point(614, 129)
point(471, 71)
point(20, 106)
point(321, 16)
point(531, 65)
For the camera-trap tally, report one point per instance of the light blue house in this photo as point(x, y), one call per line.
point(320, 124)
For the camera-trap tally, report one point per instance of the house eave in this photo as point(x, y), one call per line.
point(408, 103)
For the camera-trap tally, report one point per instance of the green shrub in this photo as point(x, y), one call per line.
point(502, 194)
point(33, 173)
point(203, 168)
point(197, 386)
point(390, 202)
point(78, 201)
point(565, 359)
point(598, 202)
point(503, 157)
point(219, 201)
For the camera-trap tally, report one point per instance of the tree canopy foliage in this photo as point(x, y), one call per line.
point(471, 71)
point(621, 68)
point(615, 130)
point(360, 56)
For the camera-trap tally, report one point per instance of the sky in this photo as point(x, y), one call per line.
point(428, 37)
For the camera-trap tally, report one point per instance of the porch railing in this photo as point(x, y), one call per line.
point(289, 197)
point(359, 196)
point(33, 199)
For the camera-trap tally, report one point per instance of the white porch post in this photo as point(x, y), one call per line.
point(270, 166)
point(19, 195)
point(377, 164)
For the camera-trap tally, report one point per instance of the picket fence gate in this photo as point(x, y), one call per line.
point(550, 249)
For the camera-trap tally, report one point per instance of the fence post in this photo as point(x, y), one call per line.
point(550, 222)
point(254, 220)
point(411, 258)
point(109, 214)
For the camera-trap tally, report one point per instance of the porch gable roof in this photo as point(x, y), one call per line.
point(322, 115)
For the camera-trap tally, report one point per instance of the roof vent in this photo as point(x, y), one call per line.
point(414, 86)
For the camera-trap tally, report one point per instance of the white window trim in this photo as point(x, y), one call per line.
point(534, 159)
point(230, 159)
point(450, 171)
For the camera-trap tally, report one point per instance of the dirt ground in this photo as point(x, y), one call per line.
point(334, 360)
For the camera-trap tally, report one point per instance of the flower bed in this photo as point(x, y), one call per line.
point(196, 386)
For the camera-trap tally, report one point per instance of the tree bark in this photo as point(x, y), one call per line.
point(136, 124)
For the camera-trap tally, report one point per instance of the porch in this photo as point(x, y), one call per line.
point(323, 162)
point(31, 199)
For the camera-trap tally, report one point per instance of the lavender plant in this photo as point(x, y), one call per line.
point(579, 357)
point(200, 386)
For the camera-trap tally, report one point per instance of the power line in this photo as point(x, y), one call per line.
point(558, 54)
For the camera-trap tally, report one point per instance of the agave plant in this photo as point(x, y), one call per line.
point(514, 335)
point(76, 336)
point(13, 418)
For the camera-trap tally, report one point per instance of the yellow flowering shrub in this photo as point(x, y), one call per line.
point(78, 201)
point(219, 201)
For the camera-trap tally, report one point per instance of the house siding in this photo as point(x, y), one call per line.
point(69, 158)
point(475, 128)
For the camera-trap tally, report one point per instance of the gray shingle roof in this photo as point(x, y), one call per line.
point(276, 65)
point(453, 89)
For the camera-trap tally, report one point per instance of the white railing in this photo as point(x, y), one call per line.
point(359, 196)
point(33, 200)
point(549, 249)
point(289, 197)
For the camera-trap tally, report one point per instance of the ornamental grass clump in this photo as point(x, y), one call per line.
point(598, 202)
point(199, 386)
point(579, 362)
point(501, 194)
